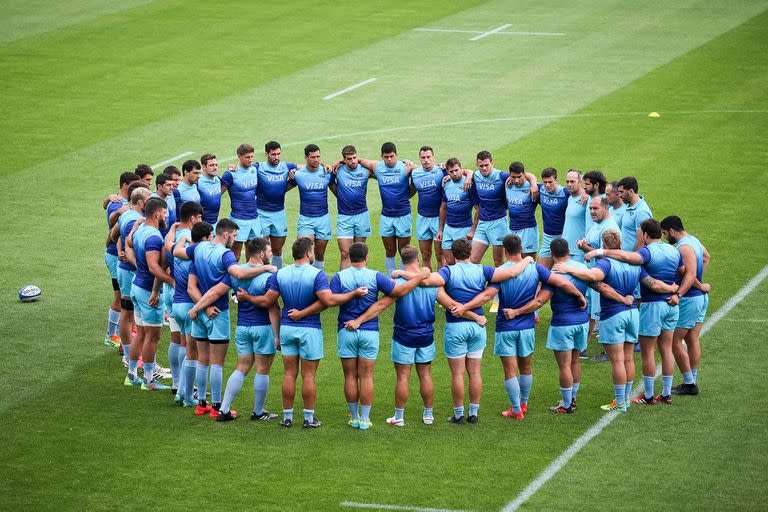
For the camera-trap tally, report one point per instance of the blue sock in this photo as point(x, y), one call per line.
point(666, 385)
point(365, 412)
point(234, 385)
point(628, 391)
point(201, 376)
point(458, 412)
point(567, 394)
point(695, 372)
point(319, 264)
point(217, 382)
point(648, 384)
point(618, 393)
point(513, 392)
point(390, 264)
point(288, 414)
point(149, 369)
point(126, 350)
point(399, 413)
point(181, 355)
point(575, 390)
point(133, 366)
point(427, 411)
point(525, 387)
point(173, 361)
point(188, 390)
point(113, 319)
point(277, 261)
point(688, 378)
point(353, 409)
point(473, 408)
point(260, 388)
point(309, 414)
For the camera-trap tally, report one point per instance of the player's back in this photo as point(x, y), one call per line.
point(698, 250)
point(126, 221)
point(297, 285)
point(661, 262)
point(566, 309)
point(622, 277)
point(516, 293)
point(414, 317)
point(352, 278)
point(630, 222)
point(464, 281)
point(247, 312)
point(180, 270)
point(145, 239)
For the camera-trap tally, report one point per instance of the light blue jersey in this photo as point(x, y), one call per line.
point(145, 239)
point(249, 314)
point(574, 227)
point(522, 207)
point(414, 321)
point(313, 190)
point(516, 293)
point(630, 223)
point(553, 208)
point(188, 193)
point(491, 195)
point(351, 190)
point(112, 208)
point(622, 277)
point(270, 190)
point(394, 188)
point(210, 263)
point(428, 184)
point(298, 286)
point(459, 203)
point(180, 271)
point(595, 233)
point(698, 250)
point(566, 309)
point(617, 213)
point(463, 281)
point(126, 221)
point(241, 186)
point(352, 278)
point(210, 198)
point(661, 262)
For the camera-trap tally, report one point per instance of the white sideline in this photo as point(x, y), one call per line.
point(490, 32)
point(172, 159)
point(377, 506)
point(481, 32)
point(606, 420)
point(350, 88)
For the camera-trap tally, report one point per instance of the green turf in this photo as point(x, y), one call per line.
point(74, 436)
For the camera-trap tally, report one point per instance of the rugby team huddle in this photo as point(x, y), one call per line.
point(601, 264)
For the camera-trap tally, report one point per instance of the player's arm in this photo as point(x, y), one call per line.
point(242, 273)
point(265, 301)
point(705, 258)
point(333, 188)
point(609, 292)
point(448, 303)
point(401, 290)
point(274, 320)
point(368, 164)
point(502, 274)
point(205, 301)
point(584, 245)
point(536, 303)
point(567, 287)
point(442, 216)
point(478, 300)
point(475, 221)
point(153, 262)
point(373, 311)
point(658, 286)
point(632, 258)
point(469, 174)
point(116, 214)
point(689, 262)
point(330, 299)
point(114, 233)
point(531, 178)
point(170, 237)
point(313, 309)
point(585, 274)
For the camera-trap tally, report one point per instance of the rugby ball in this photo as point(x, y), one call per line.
point(30, 293)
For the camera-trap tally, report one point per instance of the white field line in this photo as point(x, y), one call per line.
point(490, 32)
point(378, 506)
point(508, 33)
point(606, 420)
point(748, 320)
point(350, 88)
point(172, 159)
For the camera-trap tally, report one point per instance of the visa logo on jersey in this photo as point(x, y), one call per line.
point(274, 178)
point(426, 184)
point(249, 183)
point(552, 201)
point(485, 186)
point(516, 201)
point(315, 186)
point(352, 183)
point(453, 198)
point(390, 180)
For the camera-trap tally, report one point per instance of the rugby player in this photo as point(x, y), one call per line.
point(427, 180)
point(270, 195)
point(554, 201)
point(187, 189)
point(353, 224)
point(521, 204)
point(456, 210)
point(616, 206)
point(637, 211)
point(210, 189)
point(240, 182)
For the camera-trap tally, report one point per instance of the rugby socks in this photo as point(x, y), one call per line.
point(458, 412)
point(181, 354)
point(399, 413)
point(648, 383)
point(353, 409)
point(319, 265)
point(288, 414)
point(277, 261)
point(618, 393)
point(188, 381)
point(695, 372)
point(525, 387)
point(575, 390)
point(201, 376)
point(133, 364)
point(427, 412)
point(688, 378)
point(217, 381)
point(513, 392)
point(260, 388)
point(628, 391)
point(173, 361)
point(473, 408)
point(127, 351)
point(149, 369)
point(567, 394)
point(666, 385)
point(113, 319)
point(365, 413)
point(390, 264)
point(309, 414)
point(234, 385)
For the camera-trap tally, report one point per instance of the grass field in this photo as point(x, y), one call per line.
point(89, 90)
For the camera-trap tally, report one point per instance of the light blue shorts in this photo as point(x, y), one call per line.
point(594, 304)
point(546, 240)
point(427, 227)
point(247, 229)
point(359, 343)
point(111, 261)
point(620, 328)
point(692, 311)
point(305, 342)
point(125, 279)
point(254, 339)
point(167, 297)
point(351, 226)
point(529, 237)
point(451, 234)
point(568, 337)
point(212, 330)
point(657, 315)
point(319, 227)
point(144, 314)
point(514, 343)
point(396, 226)
point(410, 355)
point(463, 338)
point(273, 223)
point(491, 232)
point(179, 312)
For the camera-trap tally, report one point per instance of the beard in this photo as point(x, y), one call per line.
point(161, 223)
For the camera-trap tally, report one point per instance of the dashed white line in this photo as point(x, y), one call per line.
point(490, 32)
point(379, 506)
point(350, 88)
point(501, 33)
point(172, 159)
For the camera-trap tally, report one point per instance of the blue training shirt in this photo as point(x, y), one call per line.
point(180, 271)
point(414, 321)
point(491, 195)
point(463, 281)
point(170, 213)
point(698, 249)
point(522, 207)
point(428, 184)
point(241, 186)
point(210, 263)
point(617, 213)
point(630, 223)
point(145, 239)
point(394, 188)
point(660, 261)
point(553, 208)
point(458, 203)
point(270, 191)
point(210, 197)
point(566, 309)
point(594, 235)
point(351, 190)
point(351, 278)
point(574, 227)
point(188, 193)
point(298, 286)
point(126, 221)
point(516, 293)
point(112, 208)
point(623, 278)
point(313, 191)
point(247, 313)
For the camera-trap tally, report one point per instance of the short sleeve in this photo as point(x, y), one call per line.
point(153, 244)
point(548, 287)
point(332, 179)
point(488, 273)
point(445, 198)
point(445, 273)
point(229, 281)
point(642, 215)
point(504, 176)
point(335, 285)
point(191, 251)
point(384, 284)
point(274, 284)
point(129, 225)
point(192, 269)
point(643, 273)
point(604, 264)
point(544, 273)
point(226, 179)
point(473, 198)
point(644, 253)
point(321, 282)
point(228, 259)
point(291, 166)
point(113, 207)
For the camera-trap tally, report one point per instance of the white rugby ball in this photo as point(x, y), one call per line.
point(30, 293)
